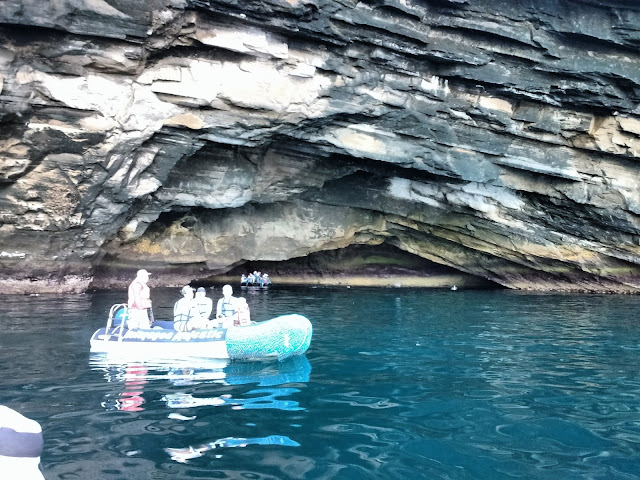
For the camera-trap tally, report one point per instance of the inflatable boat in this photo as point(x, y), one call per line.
point(280, 337)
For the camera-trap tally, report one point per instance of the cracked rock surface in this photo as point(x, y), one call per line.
point(498, 139)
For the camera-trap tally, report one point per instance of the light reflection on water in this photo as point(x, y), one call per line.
point(129, 378)
point(397, 384)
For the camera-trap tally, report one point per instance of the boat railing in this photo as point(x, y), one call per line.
point(119, 330)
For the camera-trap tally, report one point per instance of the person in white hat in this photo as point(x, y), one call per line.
point(20, 446)
point(139, 301)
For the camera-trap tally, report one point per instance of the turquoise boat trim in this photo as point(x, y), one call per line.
point(280, 337)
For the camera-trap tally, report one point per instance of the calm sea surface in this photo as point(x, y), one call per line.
point(397, 384)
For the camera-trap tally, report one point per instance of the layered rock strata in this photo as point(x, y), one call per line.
point(500, 139)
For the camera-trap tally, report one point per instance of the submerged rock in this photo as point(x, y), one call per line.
point(190, 137)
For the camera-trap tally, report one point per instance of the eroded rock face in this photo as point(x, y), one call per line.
point(502, 140)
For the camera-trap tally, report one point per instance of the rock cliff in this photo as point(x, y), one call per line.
point(498, 139)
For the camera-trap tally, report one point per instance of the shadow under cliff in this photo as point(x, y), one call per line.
point(358, 265)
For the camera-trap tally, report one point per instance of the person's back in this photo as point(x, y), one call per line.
point(204, 305)
point(139, 301)
point(243, 316)
point(226, 307)
point(184, 310)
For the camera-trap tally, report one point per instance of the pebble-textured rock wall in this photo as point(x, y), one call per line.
point(188, 136)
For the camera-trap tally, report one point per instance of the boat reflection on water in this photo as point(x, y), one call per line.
point(131, 398)
point(129, 376)
point(289, 371)
point(134, 375)
point(270, 378)
point(271, 386)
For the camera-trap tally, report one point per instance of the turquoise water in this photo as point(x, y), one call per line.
point(397, 384)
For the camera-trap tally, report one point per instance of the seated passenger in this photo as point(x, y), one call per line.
point(204, 305)
point(243, 314)
point(226, 307)
point(243, 279)
point(185, 313)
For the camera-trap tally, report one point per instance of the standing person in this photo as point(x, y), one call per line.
point(185, 312)
point(204, 304)
point(20, 446)
point(226, 307)
point(139, 301)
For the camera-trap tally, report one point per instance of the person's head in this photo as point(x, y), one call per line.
point(201, 292)
point(143, 275)
point(242, 303)
point(227, 291)
point(187, 291)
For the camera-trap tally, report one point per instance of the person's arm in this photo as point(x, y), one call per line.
point(219, 309)
point(234, 303)
point(177, 311)
point(181, 315)
point(208, 308)
point(184, 310)
point(181, 326)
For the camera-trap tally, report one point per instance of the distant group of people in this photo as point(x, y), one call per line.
point(191, 312)
point(255, 278)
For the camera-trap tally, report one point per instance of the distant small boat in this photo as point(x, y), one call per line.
point(279, 337)
point(256, 284)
